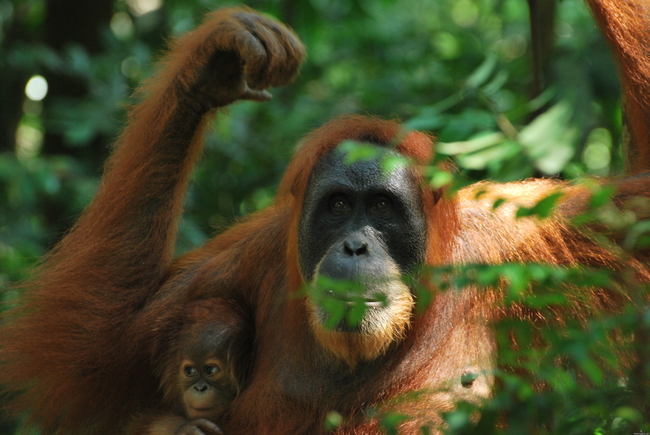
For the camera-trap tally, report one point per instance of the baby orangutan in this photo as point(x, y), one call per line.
point(201, 372)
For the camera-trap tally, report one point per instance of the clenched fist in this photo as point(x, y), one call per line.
point(235, 54)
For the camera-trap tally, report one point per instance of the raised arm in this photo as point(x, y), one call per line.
point(69, 358)
point(625, 25)
point(127, 234)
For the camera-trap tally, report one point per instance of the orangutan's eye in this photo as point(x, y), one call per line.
point(211, 370)
point(190, 371)
point(339, 205)
point(382, 206)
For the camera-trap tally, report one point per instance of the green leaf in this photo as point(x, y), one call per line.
point(391, 162)
point(469, 146)
point(391, 421)
point(332, 420)
point(550, 138)
point(438, 177)
point(600, 195)
point(356, 309)
point(490, 155)
point(423, 298)
point(358, 151)
point(543, 208)
point(483, 72)
point(498, 203)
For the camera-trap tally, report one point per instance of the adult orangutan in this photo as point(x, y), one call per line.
point(101, 298)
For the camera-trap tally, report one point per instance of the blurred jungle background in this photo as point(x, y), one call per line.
point(505, 105)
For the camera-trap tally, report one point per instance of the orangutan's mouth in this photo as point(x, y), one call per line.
point(354, 300)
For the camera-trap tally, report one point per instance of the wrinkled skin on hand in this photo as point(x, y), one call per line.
point(241, 54)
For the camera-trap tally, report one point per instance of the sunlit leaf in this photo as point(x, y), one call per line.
point(543, 208)
point(390, 163)
point(550, 138)
point(357, 151)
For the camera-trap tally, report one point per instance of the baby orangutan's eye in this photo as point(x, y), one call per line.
point(211, 370)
